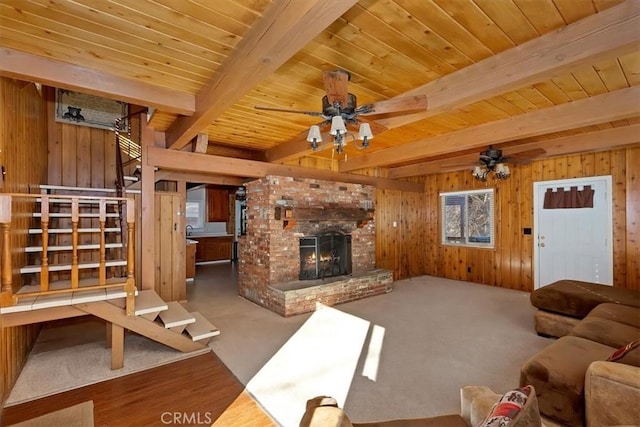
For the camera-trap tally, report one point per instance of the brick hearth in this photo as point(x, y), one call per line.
point(281, 210)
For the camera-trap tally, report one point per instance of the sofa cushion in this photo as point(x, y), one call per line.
point(605, 331)
point(576, 298)
point(557, 373)
point(628, 354)
point(618, 313)
point(516, 408)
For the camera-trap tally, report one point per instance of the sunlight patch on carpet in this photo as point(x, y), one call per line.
point(319, 359)
point(372, 361)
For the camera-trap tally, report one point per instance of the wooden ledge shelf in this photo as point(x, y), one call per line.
point(289, 215)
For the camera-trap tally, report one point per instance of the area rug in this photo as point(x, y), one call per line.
point(74, 355)
point(80, 415)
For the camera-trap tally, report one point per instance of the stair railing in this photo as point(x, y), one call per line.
point(9, 298)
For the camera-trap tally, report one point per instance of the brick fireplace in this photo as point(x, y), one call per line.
point(284, 213)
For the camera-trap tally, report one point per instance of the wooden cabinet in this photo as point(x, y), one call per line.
point(191, 260)
point(213, 248)
point(217, 205)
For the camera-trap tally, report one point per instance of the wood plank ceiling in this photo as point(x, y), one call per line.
point(177, 56)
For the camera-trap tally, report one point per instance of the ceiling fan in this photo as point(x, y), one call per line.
point(340, 109)
point(492, 160)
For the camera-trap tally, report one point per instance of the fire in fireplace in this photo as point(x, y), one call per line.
point(325, 255)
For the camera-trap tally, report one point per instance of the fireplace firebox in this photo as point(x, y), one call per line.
point(325, 255)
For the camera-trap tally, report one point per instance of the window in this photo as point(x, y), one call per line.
point(467, 218)
point(194, 214)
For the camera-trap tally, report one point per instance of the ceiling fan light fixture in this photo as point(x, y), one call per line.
point(502, 171)
point(365, 134)
point(314, 137)
point(480, 173)
point(337, 126)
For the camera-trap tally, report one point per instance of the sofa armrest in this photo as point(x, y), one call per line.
point(475, 403)
point(612, 393)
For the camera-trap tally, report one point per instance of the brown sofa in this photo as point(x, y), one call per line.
point(561, 305)
point(575, 382)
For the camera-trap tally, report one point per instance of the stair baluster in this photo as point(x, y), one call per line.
point(74, 243)
point(6, 275)
point(130, 287)
point(102, 269)
point(44, 260)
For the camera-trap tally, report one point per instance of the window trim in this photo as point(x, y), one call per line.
point(466, 242)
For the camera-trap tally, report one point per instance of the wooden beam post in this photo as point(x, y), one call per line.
point(617, 105)
point(604, 139)
point(606, 34)
point(201, 143)
point(117, 346)
point(25, 66)
point(205, 163)
point(147, 256)
point(284, 28)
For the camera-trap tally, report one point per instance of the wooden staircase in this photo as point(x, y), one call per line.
point(76, 264)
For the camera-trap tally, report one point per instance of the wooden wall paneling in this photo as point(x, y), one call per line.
point(109, 160)
point(388, 210)
point(412, 235)
point(525, 201)
point(587, 161)
point(602, 163)
point(633, 219)
point(54, 141)
point(96, 139)
point(83, 179)
point(619, 201)
point(23, 147)
point(510, 265)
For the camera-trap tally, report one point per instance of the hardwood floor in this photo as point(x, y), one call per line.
point(196, 391)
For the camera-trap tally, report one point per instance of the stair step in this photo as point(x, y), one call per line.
point(80, 230)
point(80, 215)
point(69, 247)
point(202, 328)
point(149, 302)
point(76, 296)
point(67, 267)
point(176, 315)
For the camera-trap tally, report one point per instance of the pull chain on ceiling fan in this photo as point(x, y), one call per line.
point(340, 109)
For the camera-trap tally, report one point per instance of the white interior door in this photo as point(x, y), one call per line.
point(574, 243)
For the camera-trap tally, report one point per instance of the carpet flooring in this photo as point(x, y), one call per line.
point(419, 345)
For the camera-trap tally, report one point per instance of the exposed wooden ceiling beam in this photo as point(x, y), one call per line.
point(201, 178)
point(284, 29)
point(217, 165)
point(610, 33)
point(605, 139)
point(50, 72)
point(620, 104)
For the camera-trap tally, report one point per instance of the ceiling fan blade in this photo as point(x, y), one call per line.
point(376, 128)
point(335, 84)
point(286, 110)
point(397, 105)
point(526, 156)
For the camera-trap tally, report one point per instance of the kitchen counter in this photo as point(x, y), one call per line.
point(196, 235)
point(213, 247)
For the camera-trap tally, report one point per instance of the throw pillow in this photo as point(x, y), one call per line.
point(514, 405)
point(626, 354)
